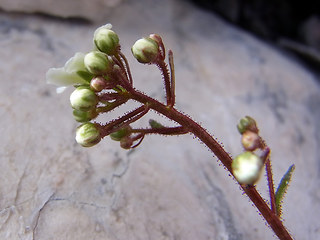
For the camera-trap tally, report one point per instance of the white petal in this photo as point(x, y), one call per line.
point(59, 77)
point(107, 26)
point(76, 63)
point(60, 89)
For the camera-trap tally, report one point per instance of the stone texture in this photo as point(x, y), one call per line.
point(169, 187)
point(92, 10)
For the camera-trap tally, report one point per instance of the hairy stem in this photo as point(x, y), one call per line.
point(272, 219)
point(124, 120)
point(127, 67)
point(167, 82)
point(172, 79)
point(162, 130)
point(271, 186)
point(266, 158)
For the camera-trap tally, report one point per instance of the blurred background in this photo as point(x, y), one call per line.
point(294, 25)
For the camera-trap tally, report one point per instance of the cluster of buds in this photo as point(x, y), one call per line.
point(247, 166)
point(87, 99)
point(102, 82)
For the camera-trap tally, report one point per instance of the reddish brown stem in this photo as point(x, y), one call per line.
point(272, 219)
point(111, 105)
point(123, 121)
point(139, 137)
point(110, 96)
point(266, 159)
point(162, 130)
point(122, 78)
point(127, 67)
point(165, 73)
point(172, 79)
point(271, 186)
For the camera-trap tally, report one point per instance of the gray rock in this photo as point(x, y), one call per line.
point(310, 32)
point(169, 187)
point(93, 10)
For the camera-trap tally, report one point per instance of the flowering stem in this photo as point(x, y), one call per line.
point(193, 127)
point(163, 130)
point(266, 159)
point(172, 79)
point(124, 120)
point(139, 137)
point(165, 73)
point(111, 105)
point(127, 67)
point(271, 186)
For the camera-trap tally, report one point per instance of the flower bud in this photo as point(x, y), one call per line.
point(98, 84)
point(126, 143)
point(247, 123)
point(106, 40)
point(155, 124)
point(120, 134)
point(246, 168)
point(156, 38)
point(97, 63)
point(82, 116)
point(145, 50)
point(83, 98)
point(250, 141)
point(88, 135)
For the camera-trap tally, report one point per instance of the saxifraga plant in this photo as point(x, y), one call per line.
point(103, 82)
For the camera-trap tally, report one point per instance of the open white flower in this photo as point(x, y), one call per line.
point(74, 72)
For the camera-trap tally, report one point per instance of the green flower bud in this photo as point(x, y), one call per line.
point(88, 135)
point(83, 98)
point(106, 40)
point(145, 50)
point(155, 124)
point(246, 168)
point(247, 123)
point(250, 141)
point(120, 134)
point(97, 63)
point(82, 116)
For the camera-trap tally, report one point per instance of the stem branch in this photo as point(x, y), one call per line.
point(163, 130)
point(165, 73)
point(271, 186)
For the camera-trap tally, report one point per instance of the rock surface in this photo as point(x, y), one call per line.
point(169, 187)
point(92, 10)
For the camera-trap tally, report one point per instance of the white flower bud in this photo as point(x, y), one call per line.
point(97, 63)
point(88, 135)
point(106, 40)
point(145, 50)
point(83, 98)
point(246, 168)
point(84, 116)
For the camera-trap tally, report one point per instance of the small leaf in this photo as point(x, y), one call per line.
point(85, 75)
point(282, 188)
point(155, 124)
